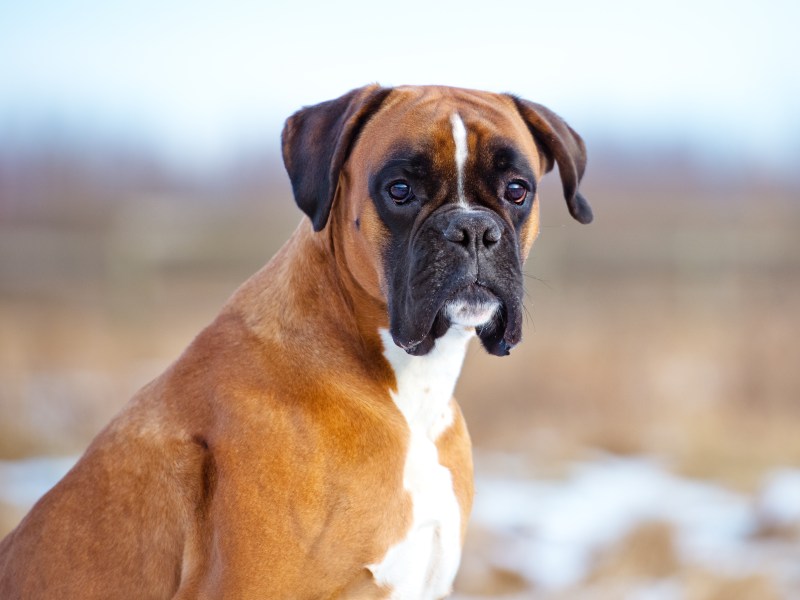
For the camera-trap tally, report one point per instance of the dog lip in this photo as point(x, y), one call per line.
point(408, 346)
point(474, 292)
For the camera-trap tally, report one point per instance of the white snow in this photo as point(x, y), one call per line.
point(779, 499)
point(550, 530)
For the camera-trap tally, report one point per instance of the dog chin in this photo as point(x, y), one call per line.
point(472, 306)
point(471, 314)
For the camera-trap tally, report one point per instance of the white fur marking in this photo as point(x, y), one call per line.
point(422, 566)
point(460, 138)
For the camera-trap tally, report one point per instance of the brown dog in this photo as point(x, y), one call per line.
point(306, 445)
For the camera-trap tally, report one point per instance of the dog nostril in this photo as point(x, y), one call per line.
point(473, 230)
point(455, 234)
point(492, 235)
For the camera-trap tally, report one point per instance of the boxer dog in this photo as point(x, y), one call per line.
point(306, 445)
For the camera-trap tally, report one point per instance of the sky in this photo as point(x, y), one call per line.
point(200, 79)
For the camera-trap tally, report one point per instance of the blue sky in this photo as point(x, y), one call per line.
point(202, 78)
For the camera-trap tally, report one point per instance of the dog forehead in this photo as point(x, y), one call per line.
point(422, 117)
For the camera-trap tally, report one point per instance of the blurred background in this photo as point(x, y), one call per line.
point(644, 440)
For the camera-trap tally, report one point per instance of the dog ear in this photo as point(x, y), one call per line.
point(316, 142)
point(560, 143)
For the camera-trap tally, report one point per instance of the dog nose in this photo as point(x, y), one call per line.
point(473, 227)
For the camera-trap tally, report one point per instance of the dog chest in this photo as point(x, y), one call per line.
point(424, 562)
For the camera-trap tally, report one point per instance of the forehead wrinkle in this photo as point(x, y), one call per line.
point(422, 117)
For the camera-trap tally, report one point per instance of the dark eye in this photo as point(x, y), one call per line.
point(400, 192)
point(516, 192)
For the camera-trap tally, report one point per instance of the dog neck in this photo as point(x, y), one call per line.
point(301, 299)
point(425, 384)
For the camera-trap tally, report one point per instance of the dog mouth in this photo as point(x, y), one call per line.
point(495, 317)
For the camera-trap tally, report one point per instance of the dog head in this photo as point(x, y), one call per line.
point(430, 194)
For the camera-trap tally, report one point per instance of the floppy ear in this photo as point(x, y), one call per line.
point(563, 145)
point(316, 142)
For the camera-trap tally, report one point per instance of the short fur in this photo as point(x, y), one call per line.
point(268, 460)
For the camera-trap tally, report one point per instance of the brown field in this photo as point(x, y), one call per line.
point(668, 328)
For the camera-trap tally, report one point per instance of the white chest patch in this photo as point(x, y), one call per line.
point(423, 564)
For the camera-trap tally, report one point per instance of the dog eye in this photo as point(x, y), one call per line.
point(400, 191)
point(516, 192)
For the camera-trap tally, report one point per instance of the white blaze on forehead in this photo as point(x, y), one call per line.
point(460, 138)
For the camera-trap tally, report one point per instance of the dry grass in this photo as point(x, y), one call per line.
point(669, 327)
point(662, 328)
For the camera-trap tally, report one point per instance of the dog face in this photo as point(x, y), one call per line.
point(433, 192)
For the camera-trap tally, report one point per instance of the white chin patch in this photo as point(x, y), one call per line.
point(471, 314)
